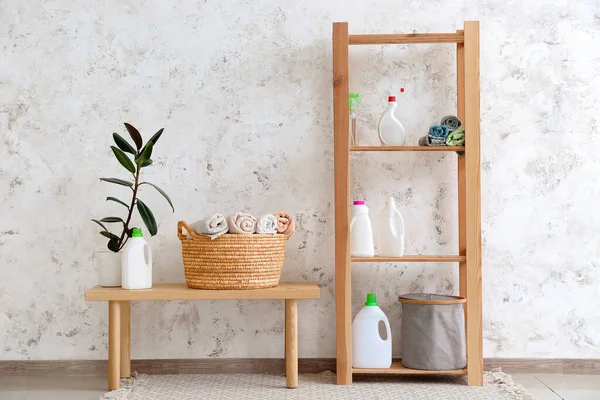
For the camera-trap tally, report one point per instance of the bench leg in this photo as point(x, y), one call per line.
point(291, 342)
point(114, 344)
point(125, 339)
point(285, 346)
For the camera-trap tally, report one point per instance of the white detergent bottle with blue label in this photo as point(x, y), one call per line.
point(369, 349)
point(136, 262)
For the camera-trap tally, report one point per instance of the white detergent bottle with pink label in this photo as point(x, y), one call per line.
point(361, 231)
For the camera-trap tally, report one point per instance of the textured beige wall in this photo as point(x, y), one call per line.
point(243, 90)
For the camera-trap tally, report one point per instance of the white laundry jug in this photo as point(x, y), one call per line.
point(390, 232)
point(369, 349)
point(137, 263)
point(361, 232)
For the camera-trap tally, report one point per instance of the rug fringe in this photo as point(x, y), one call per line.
point(506, 383)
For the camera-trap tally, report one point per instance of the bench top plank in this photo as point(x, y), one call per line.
point(180, 291)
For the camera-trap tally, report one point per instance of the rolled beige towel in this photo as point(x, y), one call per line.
point(241, 223)
point(285, 223)
point(213, 226)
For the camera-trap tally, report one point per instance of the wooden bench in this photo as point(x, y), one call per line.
point(119, 306)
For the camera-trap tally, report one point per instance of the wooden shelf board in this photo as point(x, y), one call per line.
point(407, 38)
point(180, 291)
point(407, 148)
point(414, 258)
point(399, 369)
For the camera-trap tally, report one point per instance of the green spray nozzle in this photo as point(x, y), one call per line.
point(354, 99)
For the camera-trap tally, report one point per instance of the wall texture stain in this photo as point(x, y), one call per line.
point(243, 90)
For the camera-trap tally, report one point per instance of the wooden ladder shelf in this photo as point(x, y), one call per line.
point(469, 195)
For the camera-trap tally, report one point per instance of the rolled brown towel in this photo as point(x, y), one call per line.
point(285, 223)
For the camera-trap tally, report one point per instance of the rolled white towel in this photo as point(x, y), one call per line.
point(242, 223)
point(267, 224)
point(213, 226)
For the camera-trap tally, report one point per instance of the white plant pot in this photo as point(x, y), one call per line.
point(108, 264)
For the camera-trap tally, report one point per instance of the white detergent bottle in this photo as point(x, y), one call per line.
point(391, 131)
point(137, 263)
point(390, 232)
point(361, 232)
point(369, 349)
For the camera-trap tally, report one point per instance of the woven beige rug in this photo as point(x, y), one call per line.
point(498, 386)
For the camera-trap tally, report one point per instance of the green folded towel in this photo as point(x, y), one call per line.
point(456, 138)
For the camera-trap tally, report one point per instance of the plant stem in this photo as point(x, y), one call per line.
point(133, 197)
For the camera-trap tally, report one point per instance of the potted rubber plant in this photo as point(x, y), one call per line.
point(133, 159)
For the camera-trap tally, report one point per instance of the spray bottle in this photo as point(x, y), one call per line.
point(354, 99)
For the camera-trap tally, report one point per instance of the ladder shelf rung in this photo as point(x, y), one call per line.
point(398, 369)
point(407, 148)
point(411, 258)
point(407, 38)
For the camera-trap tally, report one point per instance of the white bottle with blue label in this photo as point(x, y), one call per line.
point(136, 262)
point(369, 349)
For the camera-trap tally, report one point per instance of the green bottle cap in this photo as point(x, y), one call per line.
point(137, 232)
point(371, 300)
point(353, 100)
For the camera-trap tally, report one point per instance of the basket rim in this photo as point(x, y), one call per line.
point(181, 225)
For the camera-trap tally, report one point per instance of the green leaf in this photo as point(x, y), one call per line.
point(135, 135)
point(156, 136)
point(123, 144)
point(112, 219)
point(145, 154)
point(109, 235)
point(117, 181)
point(147, 217)
point(100, 223)
point(113, 245)
point(117, 201)
point(146, 163)
point(152, 141)
point(123, 159)
point(161, 192)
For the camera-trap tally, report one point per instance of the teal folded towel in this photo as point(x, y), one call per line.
point(451, 122)
point(439, 131)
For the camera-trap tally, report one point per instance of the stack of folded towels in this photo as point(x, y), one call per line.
point(245, 224)
point(447, 133)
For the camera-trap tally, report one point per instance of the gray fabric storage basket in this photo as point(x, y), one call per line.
point(433, 332)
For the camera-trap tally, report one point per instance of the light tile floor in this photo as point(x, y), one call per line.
point(542, 387)
point(556, 387)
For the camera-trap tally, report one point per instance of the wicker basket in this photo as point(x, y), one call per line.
point(231, 261)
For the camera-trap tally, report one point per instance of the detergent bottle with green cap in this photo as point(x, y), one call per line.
point(369, 348)
point(354, 99)
point(136, 262)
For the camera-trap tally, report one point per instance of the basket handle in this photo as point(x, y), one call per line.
point(190, 231)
